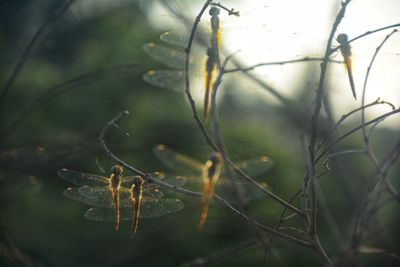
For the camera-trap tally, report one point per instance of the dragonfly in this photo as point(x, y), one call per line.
point(212, 62)
point(345, 49)
point(174, 78)
point(113, 185)
point(209, 173)
point(142, 200)
point(176, 59)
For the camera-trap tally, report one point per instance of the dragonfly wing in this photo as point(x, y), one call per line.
point(83, 179)
point(127, 181)
point(177, 180)
point(175, 161)
point(150, 208)
point(249, 191)
point(256, 166)
point(152, 190)
point(73, 194)
point(159, 207)
point(170, 57)
point(181, 38)
point(177, 38)
point(102, 196)
point(170, 79)
point(107, 214)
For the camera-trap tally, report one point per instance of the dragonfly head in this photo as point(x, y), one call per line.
point(215, 158)
point(214, 11)
point(342, 38)
point(117, 170)
point(137, 182)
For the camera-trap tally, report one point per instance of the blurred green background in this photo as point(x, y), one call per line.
point(40, 227)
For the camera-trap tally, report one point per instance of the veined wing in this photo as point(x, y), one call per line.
point(256, 166)
point(177, 162)
point(83, 179)
point(177, 38)
point(97, 196)
point(170, 179)
point(170, 57)
point(150, 208)
point(169, 79)
point(172, 78)
point(102, 196)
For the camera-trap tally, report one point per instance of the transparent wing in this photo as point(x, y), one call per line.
point(177, 180)
point(169, 79)
point(177, 162)
point(256, 166)
point(149, 189)
point(170, 57)
point(83, 179)
point(171, 179)
point(250, 192)
point(97, 196)
point(127, 181)
point(73, 194)
point(102, 196)
point(181, 38)
point(152, 190)
point(178, 38)
point(150, 208)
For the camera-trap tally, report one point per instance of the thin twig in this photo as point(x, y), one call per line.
point(347, 115)
point(384, 116)
point(314, 135)
point(367, 145)
point(283, 62)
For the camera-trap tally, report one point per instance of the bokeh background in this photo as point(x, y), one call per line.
point(90, 62)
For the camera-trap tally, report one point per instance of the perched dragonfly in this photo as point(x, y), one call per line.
point(345, 49)
point(209, 173)
point(212, 62)
point(112, 185)
point(142, 200)
point(174, 79)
